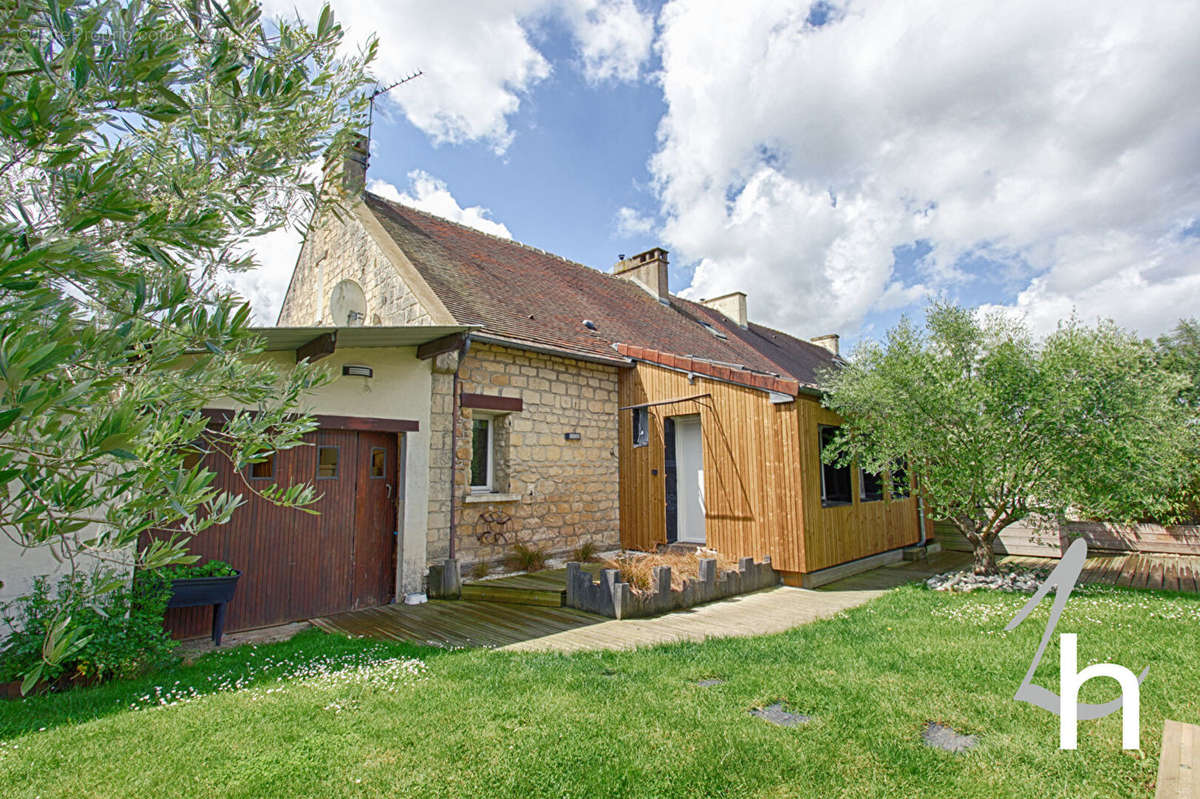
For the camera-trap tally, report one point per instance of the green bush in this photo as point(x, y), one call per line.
point(120, 635)
point(526, 558)
point(209, 568)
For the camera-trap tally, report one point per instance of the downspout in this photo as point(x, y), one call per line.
point(921, 512)
point(454, 414)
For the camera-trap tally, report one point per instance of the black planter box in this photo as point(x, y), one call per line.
point(191, 592)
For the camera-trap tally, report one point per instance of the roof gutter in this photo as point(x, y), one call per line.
point(546, 349)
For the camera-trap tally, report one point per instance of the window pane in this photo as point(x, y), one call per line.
point(835, 480)
point(480, 429)
point(641, 427)
point(327, 462)
point(378, 461)
point(870, 486)
point(263, 470)
point(900, 480)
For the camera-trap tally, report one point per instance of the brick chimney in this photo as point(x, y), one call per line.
point(351, 168)
point(828, 341)
point(732, 305)
point(648, 270)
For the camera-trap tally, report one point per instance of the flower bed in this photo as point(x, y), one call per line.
point(613, 596)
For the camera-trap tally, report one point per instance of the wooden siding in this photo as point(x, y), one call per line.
point(297, 565)
point(762, 479)
point(845, 532)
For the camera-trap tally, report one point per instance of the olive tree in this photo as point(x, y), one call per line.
point(143, 144)
point(998, 425)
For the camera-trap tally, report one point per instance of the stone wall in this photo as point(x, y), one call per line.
point(555, 493)
point(341, 249)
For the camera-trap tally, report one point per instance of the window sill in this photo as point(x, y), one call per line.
point(472, 499)
point(827, 504)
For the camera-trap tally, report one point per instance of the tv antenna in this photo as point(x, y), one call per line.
point(380, 90)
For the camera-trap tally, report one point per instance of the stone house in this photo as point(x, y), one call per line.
point(542, 410)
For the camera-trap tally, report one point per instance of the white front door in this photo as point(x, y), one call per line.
point(689, 464)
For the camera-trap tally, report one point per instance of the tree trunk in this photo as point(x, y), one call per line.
point(985, 558)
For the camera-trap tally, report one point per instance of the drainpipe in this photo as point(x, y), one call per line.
point(455, 413)
point(921, 513)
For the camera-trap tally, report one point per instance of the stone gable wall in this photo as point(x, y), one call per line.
point(338, 249)
point(566, 491)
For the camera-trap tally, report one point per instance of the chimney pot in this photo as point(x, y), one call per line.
point(829, 341)
point(733, 305)
point(648, 270)
point(350, 168)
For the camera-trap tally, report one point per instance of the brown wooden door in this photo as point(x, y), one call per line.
point(298, 565)
point(375, 520)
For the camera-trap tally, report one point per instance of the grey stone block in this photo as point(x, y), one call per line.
point(612, 597)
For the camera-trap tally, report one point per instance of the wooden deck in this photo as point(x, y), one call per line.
point(454, 624)
point(1179, 763)
point(1138, 570)
point(508, 625)
point(547, 587)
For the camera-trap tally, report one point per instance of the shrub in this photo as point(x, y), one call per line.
point(480, 569)
point(120, 633)
point(209, 568)
point(585, 552)
point(526, 558)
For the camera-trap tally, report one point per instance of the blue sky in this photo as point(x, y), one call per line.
point(843, 163)
point(578, 155)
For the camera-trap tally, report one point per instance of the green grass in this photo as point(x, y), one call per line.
point(475, 723)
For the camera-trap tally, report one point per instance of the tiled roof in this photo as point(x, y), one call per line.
point(521, 293)
point(783, 385)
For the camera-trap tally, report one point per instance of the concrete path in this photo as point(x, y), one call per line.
point(771, 611)
point(508, 626)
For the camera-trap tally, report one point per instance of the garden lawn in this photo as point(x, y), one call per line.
point(362, 718)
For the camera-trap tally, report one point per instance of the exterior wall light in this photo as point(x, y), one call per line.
point(357, 371)
point(572, 436)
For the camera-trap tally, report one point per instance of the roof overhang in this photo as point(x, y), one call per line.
point(315, 343)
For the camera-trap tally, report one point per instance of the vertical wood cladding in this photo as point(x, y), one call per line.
point(762, 476)
point(297, 565)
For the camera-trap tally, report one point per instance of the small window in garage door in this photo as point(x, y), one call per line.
point(327, 463)
point(378, 462)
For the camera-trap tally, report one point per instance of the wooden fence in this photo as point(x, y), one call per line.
point(1049, 539)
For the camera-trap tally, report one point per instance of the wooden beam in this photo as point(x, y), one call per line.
point(371, 423)
point(436, 347)
point(330, 422)
point(318, 348)
point(488, 403)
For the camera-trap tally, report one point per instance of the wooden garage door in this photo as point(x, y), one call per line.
point(297, 565)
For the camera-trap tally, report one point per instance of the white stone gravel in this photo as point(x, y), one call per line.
point(966, 580)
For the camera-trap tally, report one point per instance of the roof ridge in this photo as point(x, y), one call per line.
point(477, 231)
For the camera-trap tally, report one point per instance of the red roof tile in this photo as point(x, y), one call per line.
point(518, 292)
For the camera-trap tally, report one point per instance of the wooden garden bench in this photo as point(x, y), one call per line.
point(1179, 763)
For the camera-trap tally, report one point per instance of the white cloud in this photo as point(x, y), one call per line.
point(432, 195)
point(629, 223)
point(264, 287)
point(1058, 139)
point(477, 56)
point(613, 36)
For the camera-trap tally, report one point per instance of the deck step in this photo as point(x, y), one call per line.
point(485, 592)
point(1179, 763)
